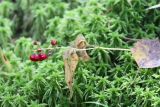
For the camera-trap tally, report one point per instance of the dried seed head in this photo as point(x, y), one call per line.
point(36, 43)
point(39, 50)
point(50, 53)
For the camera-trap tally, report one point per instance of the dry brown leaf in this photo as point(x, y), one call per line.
point(147, 53)
point(71, 58)
point(70, 61)
point(80, 43)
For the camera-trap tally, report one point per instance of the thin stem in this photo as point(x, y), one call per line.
point(116, 49)
point(96, 47)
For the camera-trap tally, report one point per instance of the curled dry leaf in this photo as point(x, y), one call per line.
point(80, 43)
point(70, 62)
point(147, 53)
point(71, 58)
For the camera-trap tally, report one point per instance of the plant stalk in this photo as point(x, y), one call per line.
point(96, 47)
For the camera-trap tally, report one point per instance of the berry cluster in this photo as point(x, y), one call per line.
point(41, 56)
point(38, 57)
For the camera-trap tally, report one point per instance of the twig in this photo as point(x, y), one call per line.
point(96, 47)
point(116, 49)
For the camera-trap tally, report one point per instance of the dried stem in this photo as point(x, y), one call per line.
point(96, 47)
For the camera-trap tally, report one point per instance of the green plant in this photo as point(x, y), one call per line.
point(5, 31)
point(108, 79)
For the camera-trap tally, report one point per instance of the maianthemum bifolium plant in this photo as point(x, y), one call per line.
point(108, 79)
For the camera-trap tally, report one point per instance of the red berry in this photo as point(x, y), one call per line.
point(31, 57)
point(34, 57)
point(53, 42)
point(42, 56)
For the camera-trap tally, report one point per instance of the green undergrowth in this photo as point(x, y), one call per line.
point(109, 79)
